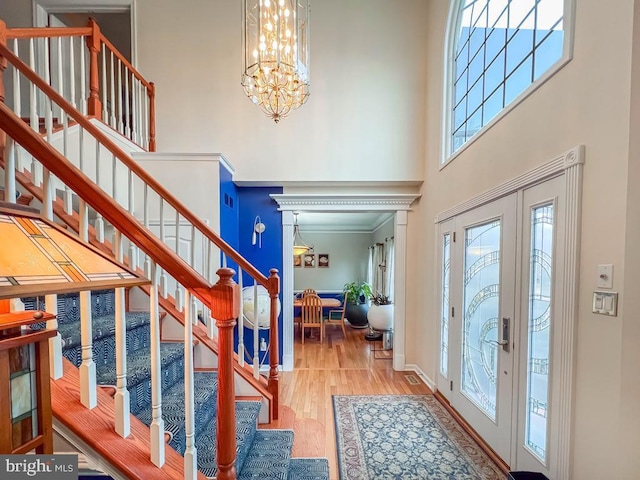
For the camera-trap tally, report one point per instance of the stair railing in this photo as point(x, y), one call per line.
point(116, 207)
point(117, 93)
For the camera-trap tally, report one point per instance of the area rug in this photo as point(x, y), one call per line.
point(407, 437)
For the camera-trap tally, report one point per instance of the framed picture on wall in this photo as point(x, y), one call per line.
point(323, 260)
point(297, 260)
point(309, 260)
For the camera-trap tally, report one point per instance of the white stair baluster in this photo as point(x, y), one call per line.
point(178, 295)
point(72, 73)
point(133, 255)
point(190, 454)
point(164, 287)
point(256, 333)
point(34, 118)
point(147, 264)
point(83, 77)
point(105, 113)
point(145, 100)
point(17, 151)
point(10, 170)
point(240, 322)
point(157, 423)
point(139, 109)
point(127, 99)
point(119, 74)
point(192, 261)
point(51, 301)
point(88, 389)
point(60, 78)
point(121, 398)
point(99, 223)
point(134, 113)
point(112, 91)
point(68, 205)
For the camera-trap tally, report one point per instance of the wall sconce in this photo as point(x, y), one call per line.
point(258, 230)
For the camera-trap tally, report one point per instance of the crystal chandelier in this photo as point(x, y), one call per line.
point(275, 54)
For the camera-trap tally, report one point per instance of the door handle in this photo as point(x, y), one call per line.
point(506, 327)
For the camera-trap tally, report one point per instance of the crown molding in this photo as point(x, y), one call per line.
point(345, 202)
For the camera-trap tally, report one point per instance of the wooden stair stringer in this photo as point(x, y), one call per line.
point(95, 427)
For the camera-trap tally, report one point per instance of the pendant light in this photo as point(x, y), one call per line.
point(299, 245)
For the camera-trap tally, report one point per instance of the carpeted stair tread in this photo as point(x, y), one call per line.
point(308, 469)
point(269, 455)
point(205, 388)
point(246, 426)
point(102, 327)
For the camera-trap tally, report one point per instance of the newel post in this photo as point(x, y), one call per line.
point(152, 117)
point(94, 44)
point(225, 308)
point(274, 348)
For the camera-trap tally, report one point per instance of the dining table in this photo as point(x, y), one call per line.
point(326, 302)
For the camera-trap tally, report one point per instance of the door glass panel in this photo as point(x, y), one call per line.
point(481, 313)
point(539, 323)
point(444, 321)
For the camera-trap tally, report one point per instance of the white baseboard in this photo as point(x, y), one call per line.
point(423, 376)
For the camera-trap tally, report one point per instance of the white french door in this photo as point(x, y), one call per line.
point(499, 281)
point(481, 309)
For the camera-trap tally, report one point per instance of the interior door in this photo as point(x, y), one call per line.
point(481, 296)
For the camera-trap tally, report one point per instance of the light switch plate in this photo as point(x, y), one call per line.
point(605, 276)
point(605, 303)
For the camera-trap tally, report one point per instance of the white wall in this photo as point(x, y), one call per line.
point(363, 121)
point(348, 257)
point(587, 102)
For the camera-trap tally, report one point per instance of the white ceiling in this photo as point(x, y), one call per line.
point(342, 221)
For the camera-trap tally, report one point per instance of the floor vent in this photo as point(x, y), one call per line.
point(412, 380)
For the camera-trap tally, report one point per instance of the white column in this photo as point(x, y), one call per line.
point(122, 404)
point(400, 280)
point(88, 389)
point(191, 453)
point(157, 423)
point(286, 279)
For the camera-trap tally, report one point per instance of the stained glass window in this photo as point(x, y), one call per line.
point(539, 325)
point(22, 383)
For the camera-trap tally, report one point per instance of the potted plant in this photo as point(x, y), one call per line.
point(380, 316)
point(356, 308)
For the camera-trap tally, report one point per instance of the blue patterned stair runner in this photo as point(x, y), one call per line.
point(260, 453)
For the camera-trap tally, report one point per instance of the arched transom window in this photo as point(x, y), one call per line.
point(497, 50)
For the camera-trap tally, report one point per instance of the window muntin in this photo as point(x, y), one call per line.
point(500, 48)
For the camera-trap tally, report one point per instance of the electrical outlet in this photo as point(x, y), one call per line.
point(263, 345)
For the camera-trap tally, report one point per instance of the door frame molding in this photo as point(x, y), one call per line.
point(570, 165)
point(399, 204)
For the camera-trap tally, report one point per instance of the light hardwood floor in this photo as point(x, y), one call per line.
point(337, 367)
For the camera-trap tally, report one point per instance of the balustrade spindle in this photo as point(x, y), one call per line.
point(147, 263)
point(99, 223)
point(68, 204)
point(164, 287)
point(157, 423)
point(127, 100)
point(133, 256)
point(140, 116)
point(112, 84)
point(12, 148)
point(33, 117)
point(191, 453)
point(60, 78)
point(121, 398)
point(72, 73)
point(178, 295)
point(83, 70)
point(208, 318)
point(105, 113)
point(134, 113)
point(119, 75)
point(147, 128)
point(256, 333)
point(241, 348)
point(87, 370)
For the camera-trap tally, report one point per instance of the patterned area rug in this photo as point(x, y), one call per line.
point(405, 437)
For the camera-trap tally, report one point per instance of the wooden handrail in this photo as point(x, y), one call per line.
point(132, 165)
point(124, 61)
point(44, 32)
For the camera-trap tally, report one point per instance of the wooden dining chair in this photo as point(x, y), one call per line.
point(336, 317)
point(311, 315)
point(308, 291)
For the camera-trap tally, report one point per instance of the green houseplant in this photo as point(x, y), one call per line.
point(357, 294)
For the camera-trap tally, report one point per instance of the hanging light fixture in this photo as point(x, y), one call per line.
point(275, 54)
point(299, 245)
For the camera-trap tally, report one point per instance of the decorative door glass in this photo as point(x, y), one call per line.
point(539, 328)
point(24, 415)
point(481, 314)
point(444, 321)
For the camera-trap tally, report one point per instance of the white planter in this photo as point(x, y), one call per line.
point(380, 317)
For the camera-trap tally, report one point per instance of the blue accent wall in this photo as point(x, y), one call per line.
point(229, 211)
point(255, 201)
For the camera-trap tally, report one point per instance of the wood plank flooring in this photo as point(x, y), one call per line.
point(340, 366)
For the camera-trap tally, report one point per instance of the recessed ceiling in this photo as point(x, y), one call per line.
point(342, 221)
